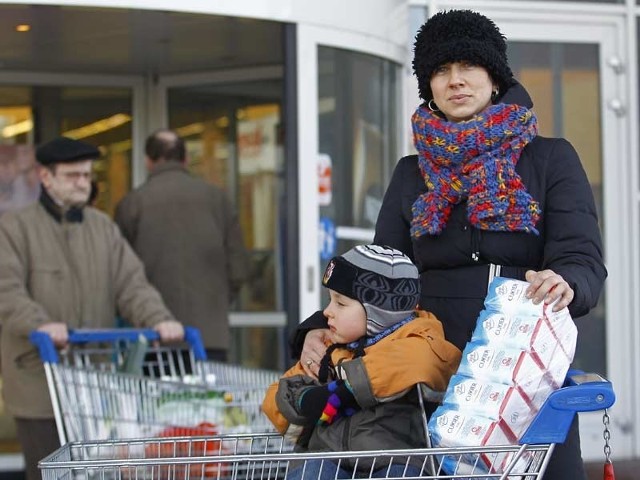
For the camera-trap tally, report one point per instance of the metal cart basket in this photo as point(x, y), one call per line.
point(269, 457)
point(115, 384)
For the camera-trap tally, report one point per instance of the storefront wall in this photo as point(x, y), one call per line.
point(256, 89)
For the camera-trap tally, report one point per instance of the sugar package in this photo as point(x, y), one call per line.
point(507, 295)
point(508, 366)
point(491, 400)
point(453, 428)
point(524, 332)
point(564, 329)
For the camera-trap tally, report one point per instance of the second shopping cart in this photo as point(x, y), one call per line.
point(115, 384)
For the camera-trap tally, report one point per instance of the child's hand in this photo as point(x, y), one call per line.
point(328, 403)
point(288, 395)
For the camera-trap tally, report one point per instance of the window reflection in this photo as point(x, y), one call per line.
point(563, 81)
point(358, 143)
point(234, 140)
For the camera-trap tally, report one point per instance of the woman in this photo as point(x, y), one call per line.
point(485, 189)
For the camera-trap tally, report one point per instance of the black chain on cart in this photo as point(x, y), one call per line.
point(608, 474)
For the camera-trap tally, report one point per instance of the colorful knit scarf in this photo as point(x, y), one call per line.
point(474, 160)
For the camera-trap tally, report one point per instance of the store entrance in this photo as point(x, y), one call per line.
point(218, 81)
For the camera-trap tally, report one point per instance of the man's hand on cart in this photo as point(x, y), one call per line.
point(58, 332)
point(314, 349)
point(549, 286)
point(170, 331)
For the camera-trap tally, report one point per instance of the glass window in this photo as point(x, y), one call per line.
point(358, 140)
point(234, 140)
point(563, 81)
point(100, 116)
point(19, 184)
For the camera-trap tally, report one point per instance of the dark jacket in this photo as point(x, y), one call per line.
point(453, 284)
point(187, 235)
point(569, 242)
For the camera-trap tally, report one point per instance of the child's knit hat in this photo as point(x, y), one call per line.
point(383, 279)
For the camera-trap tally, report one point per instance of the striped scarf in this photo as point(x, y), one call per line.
point(474, 160)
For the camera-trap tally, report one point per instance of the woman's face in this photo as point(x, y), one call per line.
point(461, 90)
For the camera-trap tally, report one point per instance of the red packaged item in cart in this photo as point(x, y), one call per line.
point(184, 447)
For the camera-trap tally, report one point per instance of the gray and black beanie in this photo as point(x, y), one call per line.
point(460, 35)
point(384, 280)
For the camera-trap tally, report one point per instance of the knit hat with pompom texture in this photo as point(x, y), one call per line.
point(458, 35)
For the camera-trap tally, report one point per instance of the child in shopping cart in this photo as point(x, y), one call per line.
point(382, 347)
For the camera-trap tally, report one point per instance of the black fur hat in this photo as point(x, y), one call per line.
point(460, 35)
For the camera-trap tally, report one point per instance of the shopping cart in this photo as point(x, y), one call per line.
point(269, 457)
point(117, 384)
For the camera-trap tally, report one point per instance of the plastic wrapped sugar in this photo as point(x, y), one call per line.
point(508, 366)
point(512, 320)
point(491, 400)
point(524, 332)
point(519, 353)
point(453, 428)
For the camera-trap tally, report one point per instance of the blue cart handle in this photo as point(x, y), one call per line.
point(586, 392)
point(49, 353)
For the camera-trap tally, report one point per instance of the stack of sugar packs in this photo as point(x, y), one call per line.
point(519, 353)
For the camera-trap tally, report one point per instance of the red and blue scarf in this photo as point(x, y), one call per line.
point(474, 161)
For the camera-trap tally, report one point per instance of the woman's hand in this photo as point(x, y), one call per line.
point(313, 350)
point(548, 286)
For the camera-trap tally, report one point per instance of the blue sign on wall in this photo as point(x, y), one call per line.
point(327, 238)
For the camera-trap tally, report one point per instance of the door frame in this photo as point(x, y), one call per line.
point(310, 38)
point(595, 24)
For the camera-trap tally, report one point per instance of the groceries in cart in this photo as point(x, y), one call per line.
point(518, 355)
point(111, 384)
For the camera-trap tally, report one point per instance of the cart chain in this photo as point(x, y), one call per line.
point(607, 436)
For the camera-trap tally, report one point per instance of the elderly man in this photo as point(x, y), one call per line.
point(63, 265)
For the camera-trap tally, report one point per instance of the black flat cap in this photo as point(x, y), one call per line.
point(65, 150)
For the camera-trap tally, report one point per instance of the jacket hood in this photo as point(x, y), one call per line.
point(517, 94)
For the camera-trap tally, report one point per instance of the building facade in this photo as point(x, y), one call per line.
point(300, 110)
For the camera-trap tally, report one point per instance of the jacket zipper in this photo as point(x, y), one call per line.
point(77, 300)
point(475, 244)
point(347, 434)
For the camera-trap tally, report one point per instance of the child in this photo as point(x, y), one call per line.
point(365, 397)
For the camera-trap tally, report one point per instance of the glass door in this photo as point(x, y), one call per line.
point(570, 68)
point(232, 125)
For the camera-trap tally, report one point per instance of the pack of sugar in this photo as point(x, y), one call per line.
point(520, 320)
point(491, 400)
point(507, 366)
point(525, 332)
point(455, 428)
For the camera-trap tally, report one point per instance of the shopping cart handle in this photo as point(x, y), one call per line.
point(585, 393)
point(49, 353)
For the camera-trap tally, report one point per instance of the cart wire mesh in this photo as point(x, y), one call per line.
point(270, 457)
point(105, 386)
